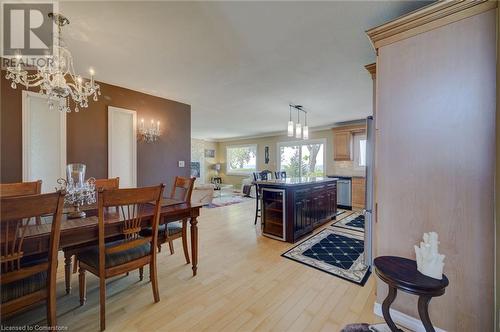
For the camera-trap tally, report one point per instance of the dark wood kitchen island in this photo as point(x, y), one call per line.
point(294, 207)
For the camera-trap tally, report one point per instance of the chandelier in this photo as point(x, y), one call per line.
point(300, 131)
point(56, 76)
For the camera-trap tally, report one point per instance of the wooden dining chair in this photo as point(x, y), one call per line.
point(104, 184)
point(21, 189)
point(182, 190)
point(26, 281)
point(133, 251)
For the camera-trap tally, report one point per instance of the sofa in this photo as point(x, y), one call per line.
point(203, 194)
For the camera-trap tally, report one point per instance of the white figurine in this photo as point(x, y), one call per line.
point(429, 261)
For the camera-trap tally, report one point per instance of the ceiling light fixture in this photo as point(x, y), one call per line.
point(301, 131)
point(298, 126)
point(56, 76)
point(290, 123)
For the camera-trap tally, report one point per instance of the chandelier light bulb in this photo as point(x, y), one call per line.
point(290, 128)
point(305, 129)
point(91, 71)
point(305, 132)
point(298, 130)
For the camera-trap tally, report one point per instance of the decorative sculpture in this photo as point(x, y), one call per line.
point(429, 260)
point(79, 191)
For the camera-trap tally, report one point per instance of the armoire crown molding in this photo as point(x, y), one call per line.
point(427, 18)
point(372, 69)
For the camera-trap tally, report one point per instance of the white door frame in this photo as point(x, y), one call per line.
point(26, 135)
point(111, 111)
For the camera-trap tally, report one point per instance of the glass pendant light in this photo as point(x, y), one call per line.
point(290, 123)
point(298, 126)
point(305, 129)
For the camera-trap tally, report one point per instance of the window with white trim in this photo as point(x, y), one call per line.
point(241, 159)
point(302, 159)
point(359, 150)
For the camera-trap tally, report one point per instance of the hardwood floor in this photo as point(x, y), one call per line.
point(242, 284)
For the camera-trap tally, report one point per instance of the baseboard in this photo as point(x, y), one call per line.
point(404, 320)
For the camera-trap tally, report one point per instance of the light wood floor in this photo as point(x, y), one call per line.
point(243, 284)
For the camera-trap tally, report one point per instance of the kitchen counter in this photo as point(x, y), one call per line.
point(346, 176)
point(288, 182)
point(293, 208)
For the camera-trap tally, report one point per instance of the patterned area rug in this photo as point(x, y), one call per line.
point(335, 252)
point(354, 222)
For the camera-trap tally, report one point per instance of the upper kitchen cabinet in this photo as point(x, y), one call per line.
point(342, 145)
point(343, 139)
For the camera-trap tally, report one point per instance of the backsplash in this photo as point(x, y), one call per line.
point(346, 168)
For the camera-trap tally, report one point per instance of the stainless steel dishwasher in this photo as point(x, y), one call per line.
point(344, 193)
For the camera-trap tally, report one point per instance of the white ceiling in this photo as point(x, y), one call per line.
point(238, 64)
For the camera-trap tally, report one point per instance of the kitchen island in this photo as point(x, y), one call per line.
point(292, 208)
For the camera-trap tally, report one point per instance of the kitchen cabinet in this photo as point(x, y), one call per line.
point(358, 192)
point(342, 145)
point(343, 140)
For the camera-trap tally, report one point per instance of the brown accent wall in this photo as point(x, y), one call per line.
point(87, 135)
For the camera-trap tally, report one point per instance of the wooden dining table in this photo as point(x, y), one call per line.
point(83, 232)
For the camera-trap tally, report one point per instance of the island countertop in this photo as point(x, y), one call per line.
point(290, 182)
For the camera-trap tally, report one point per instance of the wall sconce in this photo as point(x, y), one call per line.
point(151, 134)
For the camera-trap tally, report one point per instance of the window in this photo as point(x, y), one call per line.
point(359, 150)
point(241, 159)
point(302, 159)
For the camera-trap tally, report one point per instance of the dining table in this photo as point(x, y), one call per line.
point(77, 234)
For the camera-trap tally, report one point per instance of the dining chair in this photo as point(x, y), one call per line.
point(182, 190)
point(70, 252)
point(22, 189)
point(259, 176)
point(133, 251)
point(24, 279)
point(280, 175)
point(106, 184)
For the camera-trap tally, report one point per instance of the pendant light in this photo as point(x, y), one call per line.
point(305, 129)
point(298, 126)
point(290, 123)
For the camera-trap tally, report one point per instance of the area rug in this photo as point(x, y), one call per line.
point(339, 212)
point(364, 327)
point(226, 200)
point(334, 252)
point(354, 222)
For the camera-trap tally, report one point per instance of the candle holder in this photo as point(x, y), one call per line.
point(151, 134)
point(79, 192)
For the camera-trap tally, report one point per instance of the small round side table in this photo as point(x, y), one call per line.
point(401, 273)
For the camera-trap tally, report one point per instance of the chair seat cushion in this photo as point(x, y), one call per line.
point(173, 228)
point(91, 256)
point(25, 286)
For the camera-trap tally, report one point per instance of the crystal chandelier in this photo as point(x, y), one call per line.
point(56, 76)
point(151, 134)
